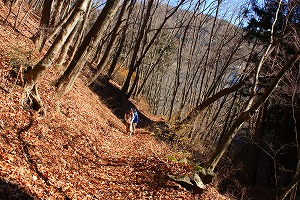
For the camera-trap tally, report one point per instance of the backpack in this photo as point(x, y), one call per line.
point(135, 117)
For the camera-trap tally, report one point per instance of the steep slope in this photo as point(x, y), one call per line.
point(78, 150)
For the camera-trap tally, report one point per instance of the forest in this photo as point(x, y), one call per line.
point(216, 83)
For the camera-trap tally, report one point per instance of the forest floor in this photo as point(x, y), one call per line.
point(78, 149)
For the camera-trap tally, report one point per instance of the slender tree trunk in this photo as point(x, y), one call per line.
point(254, 151)
point(80, 34)
point(104, 60)
point(58, 13)
point(35, 74)
point(227, 120)
point(31, 7)
point(93, 37)
point(41, 35)
point(208, 51)
point(151, 70)
point(178, 67)
point(64, 51)
point(19, 11)
point(198, 109)
point(245, 115)
point(135, 82)
point(137, 48)
point(117, 54)
point(59, 25)
point(134, 64)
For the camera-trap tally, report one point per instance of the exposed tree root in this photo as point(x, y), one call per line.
point(31, 161)
point(5, 90)
point(32, 100)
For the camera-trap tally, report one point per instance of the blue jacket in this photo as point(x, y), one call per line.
point(135, 117)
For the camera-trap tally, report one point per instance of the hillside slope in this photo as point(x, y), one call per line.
point(79, 149)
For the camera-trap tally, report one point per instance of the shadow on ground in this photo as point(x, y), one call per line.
point(116, 102)
point(12, 191)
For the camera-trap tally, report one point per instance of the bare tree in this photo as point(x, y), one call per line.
point(66, 81)
point(137, 47)
point(245, 115)
point(59, 25)
point(135, 62)
point(251, 107)
point(36, 73)
point(56, 17)
point(64, 51)
point(104, 60)
point(40, 37)
point(76, 44)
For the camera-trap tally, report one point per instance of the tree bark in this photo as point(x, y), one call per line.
point(40, 37)
point(117, 54)
point(137, 48)
point(198, 109)
point(134, 62)
point(60, 25)
point(58, 13)
point(104, 60)
point(80, 34)
point(35, 74)
point(64, 51)
point(245, 115)
point(66, 81)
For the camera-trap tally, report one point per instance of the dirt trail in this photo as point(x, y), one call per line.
point(79, 149)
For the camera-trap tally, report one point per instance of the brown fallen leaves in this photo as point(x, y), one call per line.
point(79, 149)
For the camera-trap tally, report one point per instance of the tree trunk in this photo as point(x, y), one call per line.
point(58, 13)
point(66, 81)
point(40, 36)
point(137, 48)
point(31, 7)
point(134, 64)
point(228, 121)
point(253, 153)
point(245, 115)
point(35, 74)
point(117, 54)
point(60, 25)
point(64, 51)
point(17, 17)
point(152, 70)
point(178, 67)
point(198, 109)
point(135, 83)
point(104, 60)
point(80, 34)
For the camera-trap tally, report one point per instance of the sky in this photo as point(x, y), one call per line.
point(228, 8)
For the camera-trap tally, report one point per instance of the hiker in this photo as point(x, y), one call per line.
point(128, 120)
point(135, 119)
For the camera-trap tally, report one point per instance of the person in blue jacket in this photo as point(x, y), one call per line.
point(135, 119)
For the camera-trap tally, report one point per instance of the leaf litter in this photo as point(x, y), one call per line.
point(79, 150)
